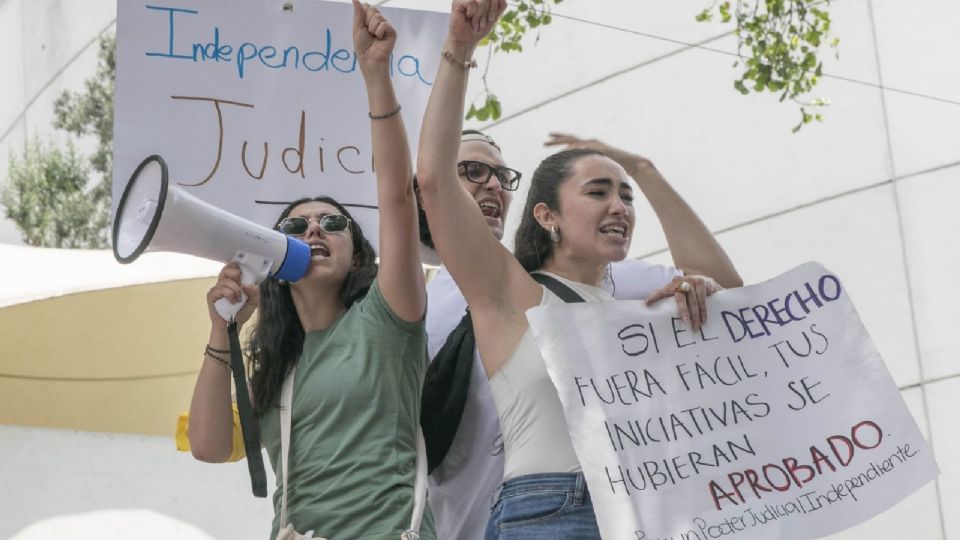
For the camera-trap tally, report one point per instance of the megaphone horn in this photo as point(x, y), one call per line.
point(155, 216)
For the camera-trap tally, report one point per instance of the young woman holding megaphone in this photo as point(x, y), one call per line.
point(346, 340)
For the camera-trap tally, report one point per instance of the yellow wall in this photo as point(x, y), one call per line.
point(118, 360)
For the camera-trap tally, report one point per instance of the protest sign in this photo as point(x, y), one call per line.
point(253, 105)
point(778, 419)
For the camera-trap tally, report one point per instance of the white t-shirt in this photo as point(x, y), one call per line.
point(461, 489)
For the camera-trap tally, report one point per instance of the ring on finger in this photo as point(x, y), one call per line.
point(683, 286)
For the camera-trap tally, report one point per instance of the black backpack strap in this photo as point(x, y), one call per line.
point(445, 388)
point(557, 287)
point(447, 381)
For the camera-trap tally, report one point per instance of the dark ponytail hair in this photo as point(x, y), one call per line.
point(425, 237)
point(532, 245)
point(277, 339)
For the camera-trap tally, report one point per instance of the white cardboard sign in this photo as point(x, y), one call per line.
point(777, 420)
point(253, 106)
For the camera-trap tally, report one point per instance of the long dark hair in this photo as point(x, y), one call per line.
point(425, 237)
point(532, 245)
point(277, 339)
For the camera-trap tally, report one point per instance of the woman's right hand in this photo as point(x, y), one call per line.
point(472, 20)
point(228, 286)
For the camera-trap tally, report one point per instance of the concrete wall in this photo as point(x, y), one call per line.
point(76, 483)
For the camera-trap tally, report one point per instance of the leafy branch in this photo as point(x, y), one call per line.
point(507, 36)
point(779, 42)
point(783, 39)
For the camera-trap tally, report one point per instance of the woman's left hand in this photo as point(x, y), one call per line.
point(373, 35)
point(691, 293)
point(629, 161)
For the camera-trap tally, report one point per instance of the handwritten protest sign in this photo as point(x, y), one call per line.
point(777, 420)
point(253, 106)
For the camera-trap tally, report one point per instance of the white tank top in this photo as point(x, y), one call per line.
point(534, 431)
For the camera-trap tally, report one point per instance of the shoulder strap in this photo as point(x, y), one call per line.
point(286, 404)
point(447, 381)
point(419, 491)
point(557, 287)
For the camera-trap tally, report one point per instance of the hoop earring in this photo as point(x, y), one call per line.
point(554, 235)
point(608, 281)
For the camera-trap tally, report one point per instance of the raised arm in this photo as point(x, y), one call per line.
point(706, 266)
point(488, 275)
point(211, 410)
point(401, 275)
point(692, 245)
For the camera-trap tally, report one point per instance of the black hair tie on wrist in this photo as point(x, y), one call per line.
point(382, 116)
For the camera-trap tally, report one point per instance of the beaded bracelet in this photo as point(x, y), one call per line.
point(210, 352)
point(222, 361)
point(465, 64)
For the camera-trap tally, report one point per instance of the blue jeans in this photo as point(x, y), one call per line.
point(552, 506)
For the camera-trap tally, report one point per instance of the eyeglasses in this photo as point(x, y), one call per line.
point(480, 173)
point(297, 226)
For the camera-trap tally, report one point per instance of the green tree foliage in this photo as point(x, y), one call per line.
point(779, 43)
point(507, 36)
point(48, 193)
point(46, 197)
point(91, 113)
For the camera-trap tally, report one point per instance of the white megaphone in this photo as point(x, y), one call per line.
point(154, 216)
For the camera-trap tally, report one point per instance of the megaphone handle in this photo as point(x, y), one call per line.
point(253, 270)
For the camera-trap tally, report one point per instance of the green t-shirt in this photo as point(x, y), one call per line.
point(356, 406)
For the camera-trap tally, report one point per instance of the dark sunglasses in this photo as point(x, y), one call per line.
point(298, 225)
point(480, 173)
